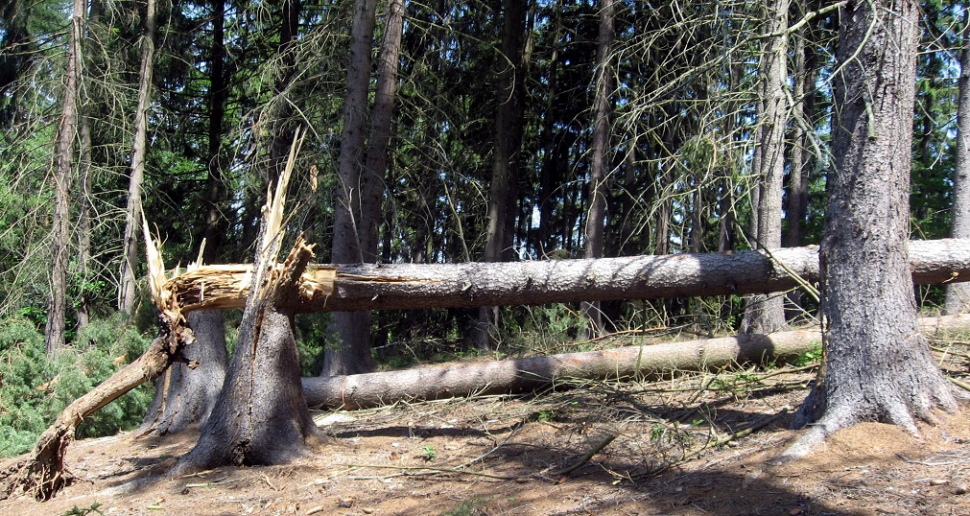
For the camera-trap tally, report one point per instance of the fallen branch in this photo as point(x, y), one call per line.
point(527, 374)
point(41, 473)
point(603, 443)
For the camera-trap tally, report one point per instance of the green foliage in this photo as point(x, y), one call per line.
point(467, 508)
point(34, 389)
point(429, 453)
point(84, 511)
point(809, 357)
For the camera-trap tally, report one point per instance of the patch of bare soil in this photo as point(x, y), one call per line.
point(690, 446)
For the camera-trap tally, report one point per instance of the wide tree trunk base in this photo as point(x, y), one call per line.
point(261, 417)
point(832, 405)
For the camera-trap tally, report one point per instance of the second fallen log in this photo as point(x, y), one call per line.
point(526, 374)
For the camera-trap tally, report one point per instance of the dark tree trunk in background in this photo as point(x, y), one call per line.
point(184, 395)
point(765, 314)
point(126, 302)
point(876, 365)
point(600, 163)
point(508, 139)
point(54, 332)
point(958, 294)
point(216, 222)
point(350, 244)
point(801, 159)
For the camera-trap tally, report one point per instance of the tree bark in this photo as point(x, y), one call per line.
point(187, 392)
point(216, 223)
point(766, 313)
point(327, 288)
point(801, 159)
point(128, 292)
point(600, 153)
point(350, 242)
point(54, 332)
point(529, 374)
point(508, 139)
point(260, 417)
point(876, 365)
point(958, 294)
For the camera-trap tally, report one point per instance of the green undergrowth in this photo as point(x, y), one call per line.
point(34, 389)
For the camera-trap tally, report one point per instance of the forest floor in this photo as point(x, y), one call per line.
point(691, 445)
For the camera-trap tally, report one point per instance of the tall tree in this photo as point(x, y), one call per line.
point(766, 313)
point(803, 114)
point(350, 243)
point(216, 223)
point(508, 141)
point(599, 165)
point(876, 364)
point(54, 333)
point(958, 294)
point(136, 178)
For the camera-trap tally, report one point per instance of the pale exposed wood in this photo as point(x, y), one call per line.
point(523, 375)
point(325, 288)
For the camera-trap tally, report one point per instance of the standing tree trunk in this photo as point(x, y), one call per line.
point(508, 137)
point(84, 224)
point(801, 160)
point(126, 302)
point(54, 338)
point(261, 416)
point(958, 294)
point(216, 224)
point(765, 314)
point(349, 242)
point(876, 364)
point(186, 393)
point(600, 153)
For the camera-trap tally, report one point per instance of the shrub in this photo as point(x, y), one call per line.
point(34, 389)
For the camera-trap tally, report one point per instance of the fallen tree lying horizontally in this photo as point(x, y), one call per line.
point(367, 287)
point(529, 374)
point(335, 288)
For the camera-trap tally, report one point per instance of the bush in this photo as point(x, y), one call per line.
point(34, 389)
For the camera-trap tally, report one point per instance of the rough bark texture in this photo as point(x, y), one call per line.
point(54, 337)
point(766, 313)
point(216, 222)
point(958, 294)
point(350, 241)
point(524, 375)
point(508, 139)
point(126, 302)
point(326, 288)
point(877, 365)
point(187, 392)
point(260, 417)
point(600, 153)
point(528, 374)
point(801, 159)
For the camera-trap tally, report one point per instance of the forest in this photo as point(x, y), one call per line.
point(514, 133)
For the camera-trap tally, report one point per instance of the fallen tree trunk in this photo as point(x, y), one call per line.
point(529, 374)
point(326, 288)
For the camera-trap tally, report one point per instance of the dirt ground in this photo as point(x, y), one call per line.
point(681, 447)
